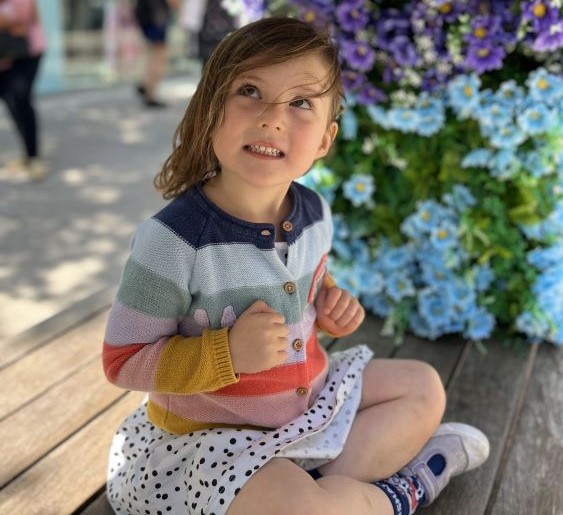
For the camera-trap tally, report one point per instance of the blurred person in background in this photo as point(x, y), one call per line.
point(18, 70)
point(154, 18)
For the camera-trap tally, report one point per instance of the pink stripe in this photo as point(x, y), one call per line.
point(126, 325)
point(266, 411)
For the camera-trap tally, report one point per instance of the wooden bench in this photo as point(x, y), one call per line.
point(58, 414)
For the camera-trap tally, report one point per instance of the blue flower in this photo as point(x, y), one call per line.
point(434, 308)
point(379, 116)
point(403, 119)
point(533, 325)
point(537, 119)
point(480, 325)
point(359, 189)
point(378, 304)
point(460, 295)
point(505, 137)
point(483, 277)
point(480, 157)
point(545, 87)
point(504, 164)
point(444, 235)
point(349, 125)
point(399, 286)
point(419, 326)
point(463, 94)
point(460, 198)
point(434, 272)
point(536, 163)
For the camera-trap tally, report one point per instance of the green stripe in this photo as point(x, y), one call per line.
point(241, 298)
point(152, 294)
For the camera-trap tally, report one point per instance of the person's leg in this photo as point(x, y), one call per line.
point(20, 103)
point(282, 487)
point(155, 68)
point(402, 404)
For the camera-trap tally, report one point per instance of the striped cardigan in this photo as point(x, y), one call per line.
point(193, 269)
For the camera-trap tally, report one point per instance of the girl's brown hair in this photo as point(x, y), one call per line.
point(262, 43)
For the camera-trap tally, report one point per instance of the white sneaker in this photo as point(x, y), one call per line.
point(463, 447)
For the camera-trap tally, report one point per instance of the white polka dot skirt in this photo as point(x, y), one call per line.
point(152, 471)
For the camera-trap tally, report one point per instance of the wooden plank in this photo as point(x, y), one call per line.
point(46, 366)
point(443, 354)
point(99, 506)
point(484, 392)
point(59, 412)
point(17, 346)
point(532, 478)
point(369, 333)
point(68, 476)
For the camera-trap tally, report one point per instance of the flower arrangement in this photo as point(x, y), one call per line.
point(446, 180)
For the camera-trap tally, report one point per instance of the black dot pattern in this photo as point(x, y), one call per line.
point(152, 471)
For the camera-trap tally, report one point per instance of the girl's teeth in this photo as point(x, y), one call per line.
point(267, 151)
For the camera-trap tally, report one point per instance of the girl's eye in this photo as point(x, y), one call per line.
point(301, 103)
point(248, 90)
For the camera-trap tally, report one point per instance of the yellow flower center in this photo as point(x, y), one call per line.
point(426, 216)
point(442, 234)
point(362, 50)
point(355, 13)
point(468, 91)
point(539, 10)
point(543, 84)
point(480, 32)
point(445, 8)
point(483, 52)
point(360, 187)
point(310, 16)
point(535, 115)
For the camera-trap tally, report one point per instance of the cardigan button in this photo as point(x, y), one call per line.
point(301, 391)
point(297, 344)
point(289, 287)
point(287, 226)
point(266, 232)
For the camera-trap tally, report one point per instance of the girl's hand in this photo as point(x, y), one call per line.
point(338, 312)
point(258, 340)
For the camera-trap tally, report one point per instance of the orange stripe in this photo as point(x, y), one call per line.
point(114, 357)
point(282, 378)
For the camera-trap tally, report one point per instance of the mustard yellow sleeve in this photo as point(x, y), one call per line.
point(195, 364)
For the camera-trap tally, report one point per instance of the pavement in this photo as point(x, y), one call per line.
point(65, 240)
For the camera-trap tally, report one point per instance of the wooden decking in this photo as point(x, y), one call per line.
point(58, 414)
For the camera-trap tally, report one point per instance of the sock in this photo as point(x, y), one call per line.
point(404, 492)
point(314, 473)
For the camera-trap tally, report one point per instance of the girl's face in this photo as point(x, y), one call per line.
point(274, 126)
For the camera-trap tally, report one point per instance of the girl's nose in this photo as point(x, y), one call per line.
point(271, 117)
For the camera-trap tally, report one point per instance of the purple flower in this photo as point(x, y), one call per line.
point(392, 23)
point(359, 55)
point(484, 58)
point(352, 80)
point(403, 51)
point(483, 28)
point(449, 10)
point(549, 40)
point(370, 95)
point(352, 16)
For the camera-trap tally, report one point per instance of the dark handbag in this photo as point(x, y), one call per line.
point(13, 47)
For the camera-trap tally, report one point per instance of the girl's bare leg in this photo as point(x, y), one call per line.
point(155, 68)
point(282, 487)
point(402, 404)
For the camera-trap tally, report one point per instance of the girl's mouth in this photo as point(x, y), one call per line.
point(264, 151)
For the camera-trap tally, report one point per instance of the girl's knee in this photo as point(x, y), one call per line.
point(429, 390)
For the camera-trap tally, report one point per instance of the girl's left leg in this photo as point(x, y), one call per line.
point(402, 404)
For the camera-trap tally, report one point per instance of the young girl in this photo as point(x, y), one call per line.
point(218, 310)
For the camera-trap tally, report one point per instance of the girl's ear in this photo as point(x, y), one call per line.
point(328, 138)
